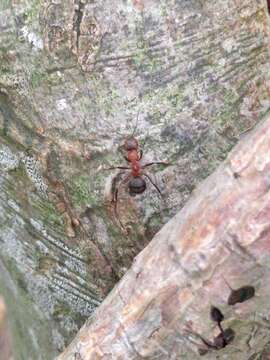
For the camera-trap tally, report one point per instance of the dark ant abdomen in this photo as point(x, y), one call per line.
point(136, 185)
point(240, 295)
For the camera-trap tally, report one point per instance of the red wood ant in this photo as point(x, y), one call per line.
point(135, 179)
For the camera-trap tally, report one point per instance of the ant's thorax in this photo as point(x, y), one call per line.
point(133, 156)
point(136, 168)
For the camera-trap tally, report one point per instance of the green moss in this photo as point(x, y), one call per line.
point(84, 104)
point(81, 194)
point(61, 309)
point(19, 173)
point(49, 214)
point(33, 11)
point(45, 264)
point(80, 191)
point(84, 190)
point(176, 97)
point(37, 77)
point(5, 65)
point(144, 59)
point(213, 88)
point(230, 97)
point(114, 230)
point(228, 113)
point(226, 116)
point(16, 182)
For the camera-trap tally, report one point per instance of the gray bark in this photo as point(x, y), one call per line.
point(73, 76)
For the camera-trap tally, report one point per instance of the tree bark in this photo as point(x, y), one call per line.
point(74, 74)
point(222, 235)
point(5, 337)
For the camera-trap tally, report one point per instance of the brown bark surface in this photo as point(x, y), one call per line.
point(161, 307)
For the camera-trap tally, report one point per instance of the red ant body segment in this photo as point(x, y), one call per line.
point(135, 181)
point(131, 146)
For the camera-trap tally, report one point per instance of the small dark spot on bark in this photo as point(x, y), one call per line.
point(229, 335)
point(236, 175)
point(240, 295)
point(202, 351)
point(182, 138)
point(216, 315)
point(88, 213)
point(224, 338)
point(78, 356)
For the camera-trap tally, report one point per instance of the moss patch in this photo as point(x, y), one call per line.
point(37, 77)
point(84, 190)
point(80, 191)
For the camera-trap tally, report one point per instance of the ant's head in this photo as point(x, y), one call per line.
point(137, 185)
point(131, 144)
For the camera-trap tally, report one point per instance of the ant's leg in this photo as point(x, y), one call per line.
point(156, 163)
point(117, 167)
point(152, 182)
point(115, 209)
point(206, 342)
point(115, 199)
point(137, 119)
point(221, 329)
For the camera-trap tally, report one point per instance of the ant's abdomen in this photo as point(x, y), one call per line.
point(137, 185)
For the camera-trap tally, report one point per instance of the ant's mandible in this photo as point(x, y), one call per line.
point(135, 178)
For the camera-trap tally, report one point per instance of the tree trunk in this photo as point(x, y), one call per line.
point(161, 307)
point(74, 75)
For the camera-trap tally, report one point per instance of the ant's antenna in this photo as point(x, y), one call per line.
point(226, 282)
point(136, 125)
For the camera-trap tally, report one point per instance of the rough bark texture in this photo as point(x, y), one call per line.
point(163, 302)
point(73, 76)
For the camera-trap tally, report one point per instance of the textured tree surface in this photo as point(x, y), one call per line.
point(73, 76)
point(162, 305)
point(5, 337)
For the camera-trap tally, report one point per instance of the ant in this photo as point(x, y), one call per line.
point(135, 179)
